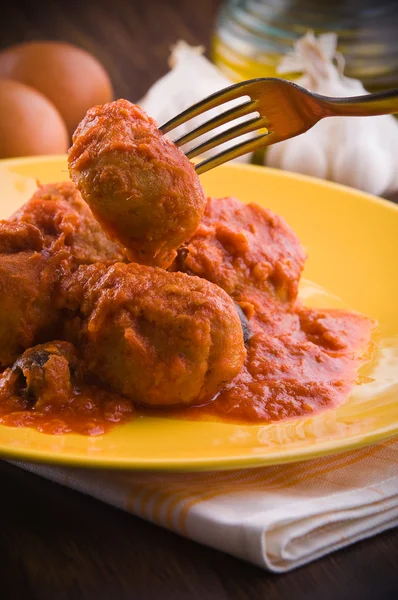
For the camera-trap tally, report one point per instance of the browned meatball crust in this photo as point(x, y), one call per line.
point(139, 185)
point(67, 223)
point(159, 338)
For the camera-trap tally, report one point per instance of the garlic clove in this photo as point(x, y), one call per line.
point(361, 164)
point(361, 152)
point(389, 138)
point(304, 154)
point(300, 155)
point(191, 78)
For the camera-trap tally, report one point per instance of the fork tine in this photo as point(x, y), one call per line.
point(225, 95)
point(225, 136)
point(238, 150)
point(229, 115)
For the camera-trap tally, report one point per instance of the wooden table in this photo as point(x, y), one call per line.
point(56, 544)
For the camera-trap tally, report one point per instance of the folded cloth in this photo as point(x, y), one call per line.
point(277, 517)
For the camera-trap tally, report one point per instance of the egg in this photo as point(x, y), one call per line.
point(29, 123)
point(70, 77)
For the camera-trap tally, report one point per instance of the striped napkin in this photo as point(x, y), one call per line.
point(276, 517)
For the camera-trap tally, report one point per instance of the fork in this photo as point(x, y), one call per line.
point(281, 107)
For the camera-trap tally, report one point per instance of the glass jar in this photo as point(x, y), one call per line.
point(252, 35)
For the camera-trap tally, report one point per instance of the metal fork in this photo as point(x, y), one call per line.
point(283, 108)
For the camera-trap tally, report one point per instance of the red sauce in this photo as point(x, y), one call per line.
point(45, 389)
point(299, 360)
point(93, 411)
point(311, 366)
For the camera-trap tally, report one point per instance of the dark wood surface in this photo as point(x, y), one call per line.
point(58, 544)
point(132, 38)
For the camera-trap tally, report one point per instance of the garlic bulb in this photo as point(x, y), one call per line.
point(192, 77)
point(360, 152)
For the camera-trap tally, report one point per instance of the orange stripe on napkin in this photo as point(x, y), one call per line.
point(277, 482)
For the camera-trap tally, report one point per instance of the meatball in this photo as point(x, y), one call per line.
point(67, 223)
point(139, 185)
point(43, 376)
point(161, 339)
point(16, 237)
point(28, 279)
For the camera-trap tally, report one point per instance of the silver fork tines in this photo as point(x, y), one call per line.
point(238, 150)
point(247, 108)
point(281, 107)
point(229, 115)
point(232, 92)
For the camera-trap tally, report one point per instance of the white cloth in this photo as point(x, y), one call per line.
point(276, 517)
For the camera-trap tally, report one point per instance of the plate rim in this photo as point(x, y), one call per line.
point(239, 166)
point(229, 463)
point(243, 459)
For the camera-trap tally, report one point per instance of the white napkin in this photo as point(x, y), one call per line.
point(276, 517)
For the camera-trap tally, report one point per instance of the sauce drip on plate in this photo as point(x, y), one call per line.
point(299, 360)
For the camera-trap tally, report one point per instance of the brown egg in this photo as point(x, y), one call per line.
point(70, 77)
point(29, 123)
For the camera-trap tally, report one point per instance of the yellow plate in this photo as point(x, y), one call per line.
point(352, 243)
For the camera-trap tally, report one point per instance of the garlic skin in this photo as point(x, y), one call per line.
point(192, 77)
point(360, 152)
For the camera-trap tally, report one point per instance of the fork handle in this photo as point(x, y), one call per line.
point(381, 103)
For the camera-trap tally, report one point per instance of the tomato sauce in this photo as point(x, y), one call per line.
point(92, 411)
point(45, 389)
point(299, 360)
point(308, 368)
